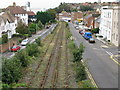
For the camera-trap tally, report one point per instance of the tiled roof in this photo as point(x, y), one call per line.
point(7, 15)
point(88, 16)
point(16, 10)
point(30, 13)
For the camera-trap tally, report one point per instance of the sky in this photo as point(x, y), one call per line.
point(43, 3)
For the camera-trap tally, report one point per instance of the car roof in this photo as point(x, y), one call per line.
point(88, 32)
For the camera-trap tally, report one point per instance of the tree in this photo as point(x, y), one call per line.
point(32, 28)
point(40, 25)
point(85, 8)
point(11, 70)
point(63, 7)
point(44, 17)
point(21, 28)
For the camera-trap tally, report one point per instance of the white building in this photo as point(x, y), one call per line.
point(110, 24)
point(106, 22)
point(19, 12)
point(116, 26)
point(8, 24)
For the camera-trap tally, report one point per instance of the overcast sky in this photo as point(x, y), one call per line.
point(43, 3)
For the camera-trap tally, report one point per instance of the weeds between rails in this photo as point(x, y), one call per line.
point(36, 70)
point(57, 46)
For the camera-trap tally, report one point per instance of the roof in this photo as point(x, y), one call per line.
point(16, 10)
point(7, 15)
point(88, 16)
point(98, 19)
point(2, 20)
point(31, 13)
point(88, 32)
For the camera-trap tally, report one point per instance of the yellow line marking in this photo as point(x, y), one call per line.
point(114, 60)
point(90, 76)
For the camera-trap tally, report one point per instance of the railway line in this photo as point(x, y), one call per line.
point(46, 75)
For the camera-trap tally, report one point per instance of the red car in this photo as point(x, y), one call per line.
point(15, 48)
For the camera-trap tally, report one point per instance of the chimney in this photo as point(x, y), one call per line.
point(14, 4)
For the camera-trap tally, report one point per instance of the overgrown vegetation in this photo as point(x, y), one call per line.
point(4, 38)
point(12, 68)
point(77, 53)
point(95, 30)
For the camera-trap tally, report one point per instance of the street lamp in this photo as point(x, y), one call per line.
point(9, 38)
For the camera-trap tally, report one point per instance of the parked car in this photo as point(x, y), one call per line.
point(24, 42)
point(76, 27)
point(87, 35)
point(81, 32)
point(15, 48)
point(91, 40)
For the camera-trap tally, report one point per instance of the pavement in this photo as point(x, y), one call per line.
point(103, 69)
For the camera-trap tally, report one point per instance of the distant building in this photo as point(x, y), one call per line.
point(76, 15)
point(65, 16)
point(31, 16)
point(18, 12)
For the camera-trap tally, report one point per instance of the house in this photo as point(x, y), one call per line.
point(76, 15)
point(65, 16)
point(110, 24)
point(97, 22)
point(31, 16)
point(115, 38)
point(19, 12)
point(88, 21)
point(106, 22)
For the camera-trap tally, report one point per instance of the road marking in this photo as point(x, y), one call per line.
point(90, 76)
point(114, 59)
point(109, 53)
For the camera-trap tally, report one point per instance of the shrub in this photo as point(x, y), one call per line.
point(4, 38)
point(23, 57)
point(32, 50)
point(80, 72)
point(96, 30)
point(17, 35)
point(77, 53)
point(11, 70)
point(38, 41)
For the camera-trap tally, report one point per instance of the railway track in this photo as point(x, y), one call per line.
point(45, 52)
point(46, 75)
point(54, 57)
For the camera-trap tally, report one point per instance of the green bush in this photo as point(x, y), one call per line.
point(38, 41)
point(4, 38)
point(11, 70)
point(17, 35)
point(80, 72)
point(78, 53)
point(23, 57)
point(96, 30)
point(32, 50)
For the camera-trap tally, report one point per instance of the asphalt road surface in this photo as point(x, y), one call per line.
point(103, 69)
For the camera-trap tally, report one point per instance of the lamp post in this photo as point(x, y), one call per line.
point(9, 38)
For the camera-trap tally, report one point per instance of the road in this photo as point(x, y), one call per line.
point(41, 34)
point(103, 69)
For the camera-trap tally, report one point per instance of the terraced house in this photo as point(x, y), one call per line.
point(109, 25)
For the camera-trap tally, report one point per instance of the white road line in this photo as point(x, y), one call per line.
point(109, 53)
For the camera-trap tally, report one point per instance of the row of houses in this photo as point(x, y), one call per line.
point(107, 21)
point(10, 16)
point(90, 19)
point(110, 24)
